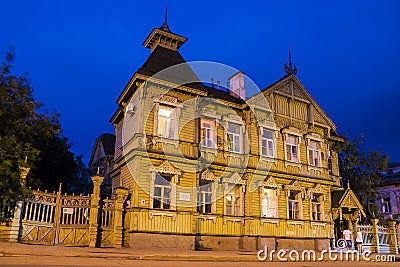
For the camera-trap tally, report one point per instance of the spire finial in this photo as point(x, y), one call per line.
point(166, 14)
point(165, 27)
point(291, 68)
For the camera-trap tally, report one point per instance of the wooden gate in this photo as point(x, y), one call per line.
point(73, 227)
point(50, 218)
point(37, 220)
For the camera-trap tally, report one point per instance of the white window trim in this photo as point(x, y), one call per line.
point(234, 119)
point(167, 169)
point(274, 132)
point(214, 129)
point(262, 197)
point(295, 132)
point(234, 184)
point(208, 175)
point(317, 151)
point(295, 187)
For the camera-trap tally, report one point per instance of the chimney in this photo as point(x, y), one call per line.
point(212, 82)
point(218, 85)
point(236, 85)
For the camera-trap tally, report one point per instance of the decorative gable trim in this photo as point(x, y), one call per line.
point(166, 167)
point(234, 179)
point(208, 175)
point(295, 186)
point(316, 190)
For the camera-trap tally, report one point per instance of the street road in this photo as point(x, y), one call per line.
point(81, 261)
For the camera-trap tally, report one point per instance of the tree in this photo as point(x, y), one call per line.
point(361, 169)
point(31, 135)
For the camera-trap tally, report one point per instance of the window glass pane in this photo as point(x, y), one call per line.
point(291, 140)
point(233, 128)
point(157, 191)
point(156, 203)
point(267, 134)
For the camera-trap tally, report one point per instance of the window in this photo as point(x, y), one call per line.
point(205, 197)
point(267, 143)
point(166, 123)
point(386, 205)
point(233, 202)
point(294, 205)
point(292, 153)
point(316, 207)
point(162, 192)
point(234, 138)
point(314, 155)
point(268, 202)
point(207, 134)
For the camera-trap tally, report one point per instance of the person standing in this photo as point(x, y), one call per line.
point(359, 240)
point(348, 237)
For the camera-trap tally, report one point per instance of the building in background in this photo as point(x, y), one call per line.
point(389, 188)
point(101, 160)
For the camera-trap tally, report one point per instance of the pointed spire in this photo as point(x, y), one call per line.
point(290, 68)
point(165, 27)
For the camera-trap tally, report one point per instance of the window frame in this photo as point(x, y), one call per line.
point(386, 205)
point(314, 153)
point(172, 121)
point(202, 204)
point(298, 201)
point(319, 202)
point(162, 197)
point(239, 135)
point(212, 141)
point(274, 192)
point(267, 140)
point(290, 151)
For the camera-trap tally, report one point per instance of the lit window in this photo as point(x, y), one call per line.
point(294, 203)
point(205, 197)
point(162, 192)
point(207, 134)
point(386, 205)
point(166, 123)
point(267, 143)
point(233, 202)
point(268, 202)
point(314, 155)
point(292, 153)
point(234, 138)
point(316, 207)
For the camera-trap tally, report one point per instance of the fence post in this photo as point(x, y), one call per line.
point(375, 246)
point(16, 222)
point(394, 246)
point(57, 216)
point(94, 209)
point(118, 218)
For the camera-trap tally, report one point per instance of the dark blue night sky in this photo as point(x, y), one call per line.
point(81, 54)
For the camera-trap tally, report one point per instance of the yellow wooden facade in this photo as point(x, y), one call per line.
point(141, 153)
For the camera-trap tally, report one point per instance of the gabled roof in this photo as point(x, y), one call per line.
point(277, 85)
point(346, 198)
point(106, 143)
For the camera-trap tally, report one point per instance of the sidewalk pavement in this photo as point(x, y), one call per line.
point(157, 254)
point(18, 249)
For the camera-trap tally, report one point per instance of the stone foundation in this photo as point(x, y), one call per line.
point(154, 240)
point(252, 243)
